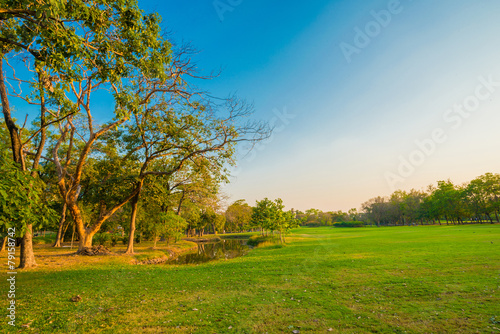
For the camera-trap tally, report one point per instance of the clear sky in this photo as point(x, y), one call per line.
point(365, 96)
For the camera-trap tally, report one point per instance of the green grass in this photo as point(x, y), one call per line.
point(432, 279)
point(49, 238)
point(258, 240)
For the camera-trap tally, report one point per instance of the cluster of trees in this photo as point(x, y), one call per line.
point(239, 217)
point(475, 202)
point(315, 217)
point(266, 216)
point(157, 153)
point(269, 216)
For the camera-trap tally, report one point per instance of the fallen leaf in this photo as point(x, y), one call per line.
point(76, 298)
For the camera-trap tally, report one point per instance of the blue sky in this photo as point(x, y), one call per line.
point(351, 128)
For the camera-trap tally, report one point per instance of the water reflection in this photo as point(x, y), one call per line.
point(223, 250)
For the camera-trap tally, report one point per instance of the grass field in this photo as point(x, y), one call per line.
point(432, 279)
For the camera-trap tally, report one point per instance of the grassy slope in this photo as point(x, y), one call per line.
point(369, 280)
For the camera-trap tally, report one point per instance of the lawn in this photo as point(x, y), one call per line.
point(422, 279)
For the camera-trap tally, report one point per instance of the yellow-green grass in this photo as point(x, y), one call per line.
point(431, 279)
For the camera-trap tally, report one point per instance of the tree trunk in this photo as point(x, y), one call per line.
point(130, 247)
point(85, 235)
point(73, 236)
point(180, 203)
point(4, 242)
point(85, 240)
point(27, 258)
point(9, 122)
point(64, 231)
point(27, 255)
point(61, 227)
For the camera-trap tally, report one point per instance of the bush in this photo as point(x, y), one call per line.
point(101, 238)
point(312, 224)
point(349, 224)
point(114, 240)
point(44, 240)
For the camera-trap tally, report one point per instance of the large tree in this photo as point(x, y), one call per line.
point(483, 195)
point(239, 216)
point(270, 215)
point(20, 140)
point(84, 49)
point(65, 40)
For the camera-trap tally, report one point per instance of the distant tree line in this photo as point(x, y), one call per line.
point(477, 201)
point(317, 218)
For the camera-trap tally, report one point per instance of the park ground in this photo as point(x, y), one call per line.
point(420, 279)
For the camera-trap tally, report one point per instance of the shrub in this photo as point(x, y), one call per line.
point(44, 240)
point(101, 238)
point(312, 224)
point(349, 224)
point(114, 240)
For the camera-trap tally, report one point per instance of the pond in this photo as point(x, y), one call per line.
point(211, 251)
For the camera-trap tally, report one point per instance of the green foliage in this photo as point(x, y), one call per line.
point(110, 36)
point(114, 240)
point(101, 239)
point(477, 201)
point(483, 195)
point(269, 215)
point(349, 224)
point(22, 198)
point(154, 225)
point(124, 240)
point(317, 218)
point(210, 218)
point(262, 214)
point(161, 125)
point(172, 226)
point(238, 217)
point(48, 239)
